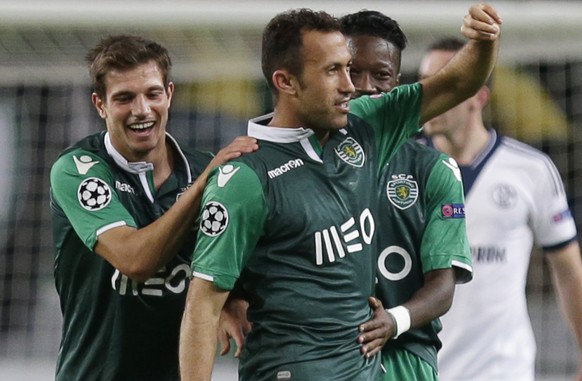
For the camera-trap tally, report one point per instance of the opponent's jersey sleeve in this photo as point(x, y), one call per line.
point(232, 217)
point(83, 187)
point(394, 117)
point(552, 221)
point(444, 242)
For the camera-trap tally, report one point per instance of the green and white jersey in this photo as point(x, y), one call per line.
point(115, 328)
point(421, 228)
point(298, 221)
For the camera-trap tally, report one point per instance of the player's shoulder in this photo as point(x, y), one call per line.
point(404, 93)
point(522, 154)
point(419, 148)
point(515, 147)
point(195, 156)
point(83, 155)
point(236, 174)
point(268, 154)
point(418, 154)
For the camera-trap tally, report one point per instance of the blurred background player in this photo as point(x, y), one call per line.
point(423, 248)
point(514, 196)
point(123, 204)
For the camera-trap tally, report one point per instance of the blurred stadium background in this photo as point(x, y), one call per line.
point(45, 106)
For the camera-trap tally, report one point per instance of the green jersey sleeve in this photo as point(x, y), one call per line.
point(83, 188)
point(394, 117)
point(444, 243)
point(232, 220)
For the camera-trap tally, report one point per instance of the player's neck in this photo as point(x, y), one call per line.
point(464, 146)
point(163, 165)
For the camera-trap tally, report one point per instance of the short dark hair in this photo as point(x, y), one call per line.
point(283, 40)
point(374, 23)
point(124, 52)
point(449, 44)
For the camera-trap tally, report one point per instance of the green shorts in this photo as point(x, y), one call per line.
point(402, 365)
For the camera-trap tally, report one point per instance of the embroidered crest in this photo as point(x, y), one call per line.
point(351, 152)
point(504, 195)
point(402, 191)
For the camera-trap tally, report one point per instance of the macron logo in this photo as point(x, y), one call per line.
point(84, 163)
point(291, 164)
point(453, 166)
point(225, 174)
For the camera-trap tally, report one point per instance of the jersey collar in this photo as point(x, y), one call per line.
point(258, 129)
point(142, 166)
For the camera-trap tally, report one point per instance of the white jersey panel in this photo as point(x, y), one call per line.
point(517, 198)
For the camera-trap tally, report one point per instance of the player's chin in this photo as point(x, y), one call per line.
point(339, 122)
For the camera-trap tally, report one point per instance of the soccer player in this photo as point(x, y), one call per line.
point(301, 239)
point(123, 203)
point(422, 242)
point(514, 196)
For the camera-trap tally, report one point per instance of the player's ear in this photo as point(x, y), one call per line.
point(99, 105)
point(285, 82)
point(483, 95)
point(170, 92)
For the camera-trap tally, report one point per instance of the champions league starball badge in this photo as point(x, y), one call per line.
point(214, 219)
point(94, 194)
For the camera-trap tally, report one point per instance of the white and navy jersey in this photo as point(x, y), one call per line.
point(514, 198)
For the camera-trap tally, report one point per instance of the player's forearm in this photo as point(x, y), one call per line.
point(140, 253)
point(459, 79)
point(434, 299)
point(199, 330)
point(566, 269)
point(197, 350)
point(478, 58)
point(473, 66)
point(469, 69)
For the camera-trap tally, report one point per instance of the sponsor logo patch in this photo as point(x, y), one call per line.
point(288, 166)
point(94, 194)
point(453, 210)
point(453, 166)
point(225, 174)
point(214, 219)
point(402, 191)
point(351, 152)
point(84, 163)
point(562, 215)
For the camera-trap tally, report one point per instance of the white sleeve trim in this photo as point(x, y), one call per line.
point(462, 265)
point(109, 227)
point(207, 277)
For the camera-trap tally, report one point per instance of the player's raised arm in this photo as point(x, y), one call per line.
point(469, 69)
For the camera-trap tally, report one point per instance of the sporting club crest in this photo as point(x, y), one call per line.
point(351, 152)
point(402, 191)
